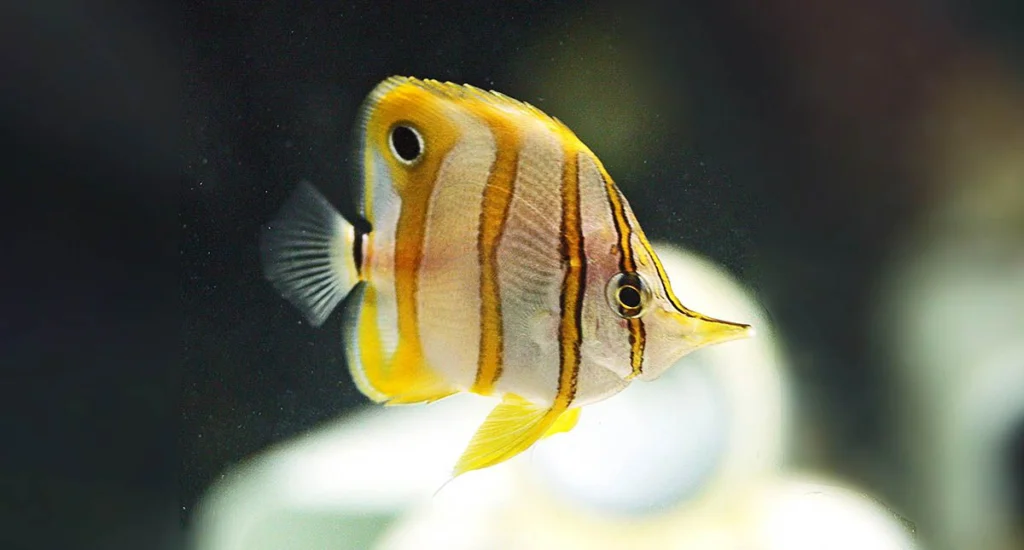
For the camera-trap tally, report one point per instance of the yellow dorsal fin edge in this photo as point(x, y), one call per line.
point(452, 90)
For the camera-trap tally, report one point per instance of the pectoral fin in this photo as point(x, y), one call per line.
point(511, 428)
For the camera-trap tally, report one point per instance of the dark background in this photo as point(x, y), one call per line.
point(122, 413)
point(89, 332)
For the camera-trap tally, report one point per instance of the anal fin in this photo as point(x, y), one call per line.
point(393, 377)
point(511, 428)
point(422, 394)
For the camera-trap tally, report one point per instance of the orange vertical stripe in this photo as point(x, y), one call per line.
point(413, 104)
point(497, 198)
point(570, 331)
point(627, 263)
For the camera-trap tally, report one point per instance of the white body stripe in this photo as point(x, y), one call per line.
point(605, 346)
point(530, 271)
point(449, 277)
point(386, 205)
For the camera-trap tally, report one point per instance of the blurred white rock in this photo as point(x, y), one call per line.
point(787, 512)
point(695, 459)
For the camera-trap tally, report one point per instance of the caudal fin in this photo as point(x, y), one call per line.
point(308, 252)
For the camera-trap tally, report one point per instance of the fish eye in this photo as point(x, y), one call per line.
point(406, 143)
point(628, 294)
point(629, 297)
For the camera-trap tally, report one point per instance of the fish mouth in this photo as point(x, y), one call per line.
point(717, 331)
point(702, 331)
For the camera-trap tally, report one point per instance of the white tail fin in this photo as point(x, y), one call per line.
point(307, 253)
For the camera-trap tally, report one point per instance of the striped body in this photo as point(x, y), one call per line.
point(508, 316)
point(502, 260)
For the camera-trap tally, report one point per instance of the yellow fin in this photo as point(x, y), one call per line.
point(408, 380)
point(401, 378)
point(565, 422)
point(426, 394)
point(456, 92)
point(510, 429)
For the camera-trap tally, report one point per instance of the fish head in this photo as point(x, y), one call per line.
point(404, 133)
point(645, 302)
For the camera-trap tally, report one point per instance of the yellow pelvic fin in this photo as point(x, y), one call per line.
point(511, 428)
point(565, 422)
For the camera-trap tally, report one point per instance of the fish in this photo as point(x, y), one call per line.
point(491, 253)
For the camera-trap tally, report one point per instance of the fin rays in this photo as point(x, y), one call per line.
point(307, 254)
point(511, 428)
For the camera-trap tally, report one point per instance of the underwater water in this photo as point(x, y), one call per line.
point(842, 176)
point(845, 176)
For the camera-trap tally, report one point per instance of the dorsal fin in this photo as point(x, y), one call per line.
point(453, 91)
